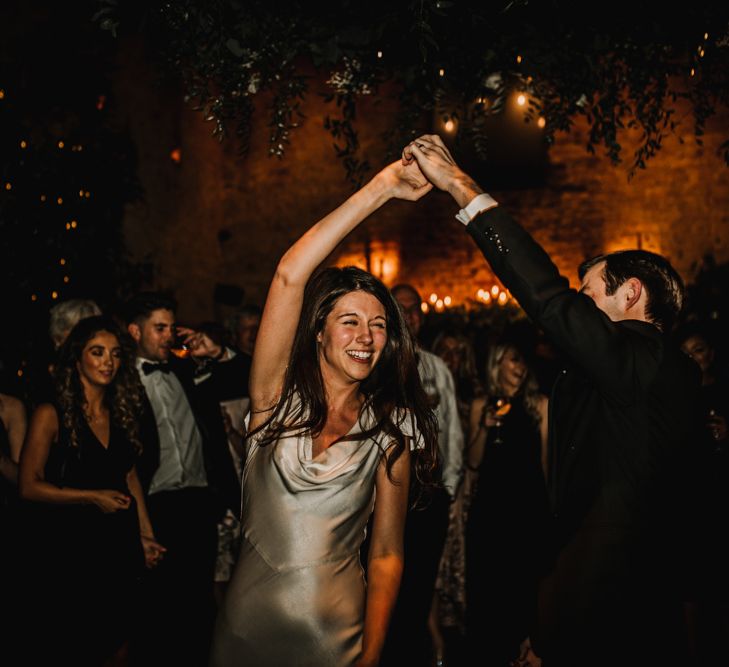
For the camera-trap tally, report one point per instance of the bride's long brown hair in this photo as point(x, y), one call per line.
point(392, 388)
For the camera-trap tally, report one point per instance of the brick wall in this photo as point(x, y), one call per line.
point(217, 217)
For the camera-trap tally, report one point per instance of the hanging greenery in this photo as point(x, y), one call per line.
point(617, 66)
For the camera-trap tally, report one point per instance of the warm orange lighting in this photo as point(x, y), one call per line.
point(66, 279)
point(42, 197)
point(449, 125)
point(379, 54)
point(176, 155)
point(24, 144)
point(424, 307)
point(54, 295)
point(68, 226)
point(8, 186)
point(693, 71)
point(433, 297)
point(503, 298)
point(59, 201)
point(447, 300)
point(74, 224)
point(706, 36)
point(701, 53)
point(441, 72)
point(2, 94)
point(34, 297)
point(541, 122)
point(87, 194)
point(495, 291)
point(484, 295)
point(62, 261)
point(439, 305)
point(518, 60)
point(61, 144)
point(521, 100)
point(20, 372)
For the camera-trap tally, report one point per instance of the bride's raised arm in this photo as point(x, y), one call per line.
point(285, 295)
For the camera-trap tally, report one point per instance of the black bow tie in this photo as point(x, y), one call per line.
point(148, 367)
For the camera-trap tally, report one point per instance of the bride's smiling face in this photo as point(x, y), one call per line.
point(353, 337)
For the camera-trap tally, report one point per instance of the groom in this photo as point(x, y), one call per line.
point(620, 418)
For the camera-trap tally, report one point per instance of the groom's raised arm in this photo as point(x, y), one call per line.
point(515, 257)
point(571, 319)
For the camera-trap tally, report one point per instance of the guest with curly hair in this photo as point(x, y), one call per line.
point(93, 535)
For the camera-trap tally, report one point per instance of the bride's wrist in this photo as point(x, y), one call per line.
point(383, 186)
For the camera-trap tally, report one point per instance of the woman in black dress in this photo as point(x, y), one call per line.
point(90, 535)
point(707, 613)
point(508, 507)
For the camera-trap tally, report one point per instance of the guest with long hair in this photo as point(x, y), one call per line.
point(449, 602)
point(93, 535)
point(507, 508)
point(456, 349)
point(337, 406)
point(707, 612)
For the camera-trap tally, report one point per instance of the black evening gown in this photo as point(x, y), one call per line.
point(505, 539)
point(85, 564)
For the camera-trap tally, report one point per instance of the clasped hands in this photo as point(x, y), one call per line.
point(425, 163)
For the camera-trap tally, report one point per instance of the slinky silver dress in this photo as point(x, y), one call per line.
point(297, 595)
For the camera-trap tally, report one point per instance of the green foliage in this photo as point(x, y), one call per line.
point(619, 66)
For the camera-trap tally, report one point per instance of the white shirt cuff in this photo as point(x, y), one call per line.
point(477, 205)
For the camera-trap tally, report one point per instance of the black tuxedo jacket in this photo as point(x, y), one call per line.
point(222, 478)
point(621, 419)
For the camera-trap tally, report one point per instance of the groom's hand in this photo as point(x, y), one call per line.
point(439, 167)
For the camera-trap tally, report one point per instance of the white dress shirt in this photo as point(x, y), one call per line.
point(438, 384)
point(181, 463)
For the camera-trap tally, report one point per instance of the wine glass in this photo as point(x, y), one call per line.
point(499, 406)
point(179, 348)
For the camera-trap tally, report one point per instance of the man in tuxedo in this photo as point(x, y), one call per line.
point(187, 473)
point(620, 420)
